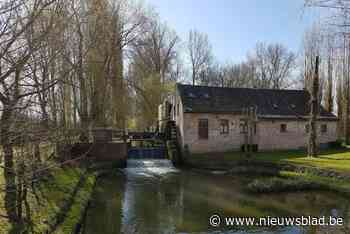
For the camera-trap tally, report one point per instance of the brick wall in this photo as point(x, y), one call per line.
point(268, 135)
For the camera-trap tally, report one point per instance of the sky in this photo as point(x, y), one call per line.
point(235, 26)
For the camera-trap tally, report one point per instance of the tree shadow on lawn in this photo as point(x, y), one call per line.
point(292, 154)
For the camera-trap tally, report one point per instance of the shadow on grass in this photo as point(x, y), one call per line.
point(228, 159)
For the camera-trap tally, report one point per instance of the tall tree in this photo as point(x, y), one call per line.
point(329, 99)
point(153, 56)
point(314, 111)
point(338, 20)
point(200, 54)
point(274, 64)
point(18, 20)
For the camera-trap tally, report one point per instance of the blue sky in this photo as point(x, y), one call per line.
point(235, 26)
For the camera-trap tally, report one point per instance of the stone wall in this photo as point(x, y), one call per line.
point(113, 152)
point(268, 135)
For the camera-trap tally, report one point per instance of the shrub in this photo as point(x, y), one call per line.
point(276, 184)
point(336, 144)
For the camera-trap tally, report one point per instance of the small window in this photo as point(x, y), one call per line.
point(243, 128)
point(324, 128)
point(283, 128)
point(203, 129)
point(224, 126)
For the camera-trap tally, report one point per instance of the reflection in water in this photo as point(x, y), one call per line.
point(156, 198)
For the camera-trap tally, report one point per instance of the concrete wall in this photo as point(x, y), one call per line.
point(268, 135)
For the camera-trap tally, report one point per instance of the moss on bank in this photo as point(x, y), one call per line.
point(56, 202)
point(74, 216)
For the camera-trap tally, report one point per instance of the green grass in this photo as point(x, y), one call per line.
point(75, 214)
point(329, 183)
point(278, 184)
point(55, 193)
point(333, 159)
point(46, 201)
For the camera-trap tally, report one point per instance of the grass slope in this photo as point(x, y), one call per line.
point(46, 201)
point(76, 212)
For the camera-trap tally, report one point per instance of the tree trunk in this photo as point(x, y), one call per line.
point(9, 170)
point(347, 100)
point(312, 146)
point(193, 76)
point(83, 87)
point(329, 94)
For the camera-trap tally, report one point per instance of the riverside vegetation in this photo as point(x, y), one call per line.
point(283, 171)
point(55, 204)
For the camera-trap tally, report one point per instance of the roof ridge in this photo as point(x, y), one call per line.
point(275, 90)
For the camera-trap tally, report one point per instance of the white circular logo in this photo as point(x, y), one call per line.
point(215, 221)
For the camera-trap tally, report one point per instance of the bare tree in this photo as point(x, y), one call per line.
point(18, 86)
point(274, 64)
point(200, 53)
point(329, 98)
point(154, 64)
point(338, 22)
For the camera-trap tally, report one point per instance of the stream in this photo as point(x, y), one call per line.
point(151, 196)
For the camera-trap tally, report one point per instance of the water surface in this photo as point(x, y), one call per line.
point(153, 197)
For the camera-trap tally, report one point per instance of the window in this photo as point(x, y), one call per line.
point(323, 128)
point(283, 128)
point(224, 126)
point(243, 128)
point(203, 129)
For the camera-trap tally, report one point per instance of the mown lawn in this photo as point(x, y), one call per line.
point(335, 159)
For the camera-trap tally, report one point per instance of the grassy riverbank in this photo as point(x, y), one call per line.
point(332, 159)
point(284, 171)
point(55, 203)
point(293, 181)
